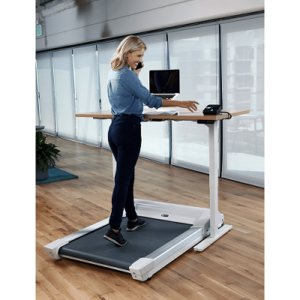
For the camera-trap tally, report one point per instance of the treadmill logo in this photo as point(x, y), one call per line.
point(164, 215)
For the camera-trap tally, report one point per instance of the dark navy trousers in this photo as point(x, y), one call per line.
point(124, 138)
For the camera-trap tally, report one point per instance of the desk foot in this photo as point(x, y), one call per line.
point(209, 240)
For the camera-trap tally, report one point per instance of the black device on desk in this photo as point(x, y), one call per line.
point(215, 109)
point(212, 109)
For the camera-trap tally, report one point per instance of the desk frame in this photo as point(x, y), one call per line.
point(211, 122)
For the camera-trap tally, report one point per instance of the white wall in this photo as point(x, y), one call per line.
point(102, 19)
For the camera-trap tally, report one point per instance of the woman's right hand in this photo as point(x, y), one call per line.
point(190, 105)
point(137, 71)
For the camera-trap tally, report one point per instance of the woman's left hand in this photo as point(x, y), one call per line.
point(190, 105)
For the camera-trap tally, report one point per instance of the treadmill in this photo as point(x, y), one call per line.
point(170, 231)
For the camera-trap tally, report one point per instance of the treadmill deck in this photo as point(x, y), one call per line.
point(140, 243)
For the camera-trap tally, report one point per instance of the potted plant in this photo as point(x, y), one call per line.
point(45, 155)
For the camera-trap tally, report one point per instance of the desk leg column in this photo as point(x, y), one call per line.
point(215, 216)
point(213, 177)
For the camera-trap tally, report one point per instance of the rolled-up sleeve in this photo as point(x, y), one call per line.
point(132, 84)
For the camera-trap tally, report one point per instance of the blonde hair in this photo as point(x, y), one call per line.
point(129, 44)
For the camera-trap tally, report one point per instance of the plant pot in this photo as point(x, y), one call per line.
point(41, 175)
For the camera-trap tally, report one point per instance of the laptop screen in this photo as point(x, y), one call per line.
point(164, 82)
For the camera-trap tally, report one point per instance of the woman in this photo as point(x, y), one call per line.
point(126, 95)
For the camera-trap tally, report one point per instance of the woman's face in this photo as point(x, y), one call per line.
point(134, 58)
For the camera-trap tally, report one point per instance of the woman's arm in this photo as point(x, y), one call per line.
point(190, 105)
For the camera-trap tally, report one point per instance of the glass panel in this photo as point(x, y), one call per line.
point(155, 136)
point(63, 73)
point(243, 88)
point(105, 53)
point(37, 120)
point(45, 82)
point(86, 81)
point(37, 113)
point(195, 53)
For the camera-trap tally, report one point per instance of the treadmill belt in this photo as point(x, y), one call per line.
point(140, 243)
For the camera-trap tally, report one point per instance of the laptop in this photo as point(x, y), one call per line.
point(164, 83)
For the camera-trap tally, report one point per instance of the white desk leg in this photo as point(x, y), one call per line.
point(215, 233)
point(114, 163)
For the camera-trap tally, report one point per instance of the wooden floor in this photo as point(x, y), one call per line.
point(232, 268)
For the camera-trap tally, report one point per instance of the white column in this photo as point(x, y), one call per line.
point(213, 177)
point(215, 216)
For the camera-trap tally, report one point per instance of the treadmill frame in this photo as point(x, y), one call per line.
point(145, 267)
point(206, 229)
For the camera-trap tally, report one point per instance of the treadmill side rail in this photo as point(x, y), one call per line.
point(52, 248)
point(145, 267)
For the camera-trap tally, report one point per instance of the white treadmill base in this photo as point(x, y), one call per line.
point(145, 267)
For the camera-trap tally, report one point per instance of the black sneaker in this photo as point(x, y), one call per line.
point(134, 225)
point(116, 238)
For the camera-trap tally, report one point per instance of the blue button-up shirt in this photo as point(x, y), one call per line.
point(126, 93)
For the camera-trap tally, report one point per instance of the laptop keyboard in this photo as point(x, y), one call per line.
point(165, 96)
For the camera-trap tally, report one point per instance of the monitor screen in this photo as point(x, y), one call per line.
point(164, 82)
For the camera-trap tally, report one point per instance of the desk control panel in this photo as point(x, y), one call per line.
point(206, 121)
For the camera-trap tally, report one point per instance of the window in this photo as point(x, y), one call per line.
point(195, 53)
point(106, 51)
point(69, 84)
point(45, 82)
point(64, 93)
point(155, 136)
point(87, 93)
point(243, 88)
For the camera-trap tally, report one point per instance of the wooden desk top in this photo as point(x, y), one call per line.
point(186, 116)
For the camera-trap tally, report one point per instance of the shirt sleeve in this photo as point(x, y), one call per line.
point(133, 85)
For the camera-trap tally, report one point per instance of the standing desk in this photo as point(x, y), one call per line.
point(207, 224)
